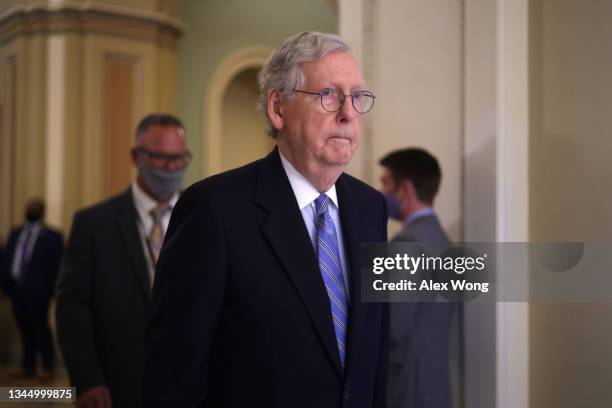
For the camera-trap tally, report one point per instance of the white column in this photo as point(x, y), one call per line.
point(512, 197)
point(54, 183)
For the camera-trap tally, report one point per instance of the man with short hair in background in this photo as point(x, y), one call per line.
point(258, 296)
point(104, 288)
point(28, 272)
point(420, 337)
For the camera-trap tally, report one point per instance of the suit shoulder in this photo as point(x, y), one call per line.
point(230, 185)
point(55, 233)
point(404, 236)
point(103, 208)
point(362, 189)
point(13, 235)
point(424, 229)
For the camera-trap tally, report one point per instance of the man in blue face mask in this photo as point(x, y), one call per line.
point(420, 332)
point(161, 156)
point(104, 288)
point(410, 182)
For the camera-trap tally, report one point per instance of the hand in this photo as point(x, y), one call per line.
point(96, 397)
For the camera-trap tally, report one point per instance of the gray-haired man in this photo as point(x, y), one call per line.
point(257, 300)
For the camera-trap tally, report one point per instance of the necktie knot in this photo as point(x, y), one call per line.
point(321, 204)
point(158, 211)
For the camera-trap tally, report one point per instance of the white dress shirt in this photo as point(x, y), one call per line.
point(21, 251)
point(144, 204)
point(306, 194)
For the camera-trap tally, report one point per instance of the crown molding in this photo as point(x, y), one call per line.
point(90, 17)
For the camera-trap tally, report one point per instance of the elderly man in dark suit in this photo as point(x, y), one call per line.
point(104, 288)
point(420, 337)
point(258, 297)
point(28, 275)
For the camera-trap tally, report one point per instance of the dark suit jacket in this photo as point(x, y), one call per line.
point(419, 360)
point(240, 315)
point(103, 297)
point(39, 278)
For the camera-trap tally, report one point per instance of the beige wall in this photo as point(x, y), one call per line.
point(417, 77)
point(242, 127)
point(571, 192)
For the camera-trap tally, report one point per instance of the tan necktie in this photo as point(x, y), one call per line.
point(156, 236)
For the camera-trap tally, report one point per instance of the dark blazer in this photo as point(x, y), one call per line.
point(419, 358)
point(240, 315)
point(39, 278)
point(103, 297)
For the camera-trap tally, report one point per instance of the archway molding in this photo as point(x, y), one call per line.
point(239, 61)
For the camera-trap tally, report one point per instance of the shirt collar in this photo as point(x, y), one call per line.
point(304, 191)
point(144, 203)
point(424, 212)
point(33, 225)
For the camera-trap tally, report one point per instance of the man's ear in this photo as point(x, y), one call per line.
point(407, 189)
point(134, 155)
point(275, 109)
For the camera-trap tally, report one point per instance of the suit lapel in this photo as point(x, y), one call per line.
point(37, 245)
point(352, 227)
point(127, 219)
point(285, 230)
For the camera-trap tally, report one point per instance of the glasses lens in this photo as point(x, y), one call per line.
point(330, 99)
point(181, 160)
point(163, 159)
point(363, 101)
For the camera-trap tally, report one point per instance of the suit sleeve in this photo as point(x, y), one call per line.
point(188, 296)
point(74, 314)
point(382, 370)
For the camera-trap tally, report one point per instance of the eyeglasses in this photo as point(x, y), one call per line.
point(177, 160)
point(332, 100)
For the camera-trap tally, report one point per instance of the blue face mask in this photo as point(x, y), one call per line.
point(393, 207)
point(162, 183)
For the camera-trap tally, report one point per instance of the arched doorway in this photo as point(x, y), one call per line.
point(231, 120)
point(243, 138)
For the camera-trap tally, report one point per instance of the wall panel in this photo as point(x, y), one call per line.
point(121, 78)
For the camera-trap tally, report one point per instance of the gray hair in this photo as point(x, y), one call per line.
point(153, 119)
point(282, 71)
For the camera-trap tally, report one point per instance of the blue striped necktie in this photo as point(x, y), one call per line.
point(331, 271)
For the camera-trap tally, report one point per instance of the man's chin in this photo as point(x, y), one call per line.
point(339, 158)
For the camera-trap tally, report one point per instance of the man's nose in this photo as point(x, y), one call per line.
point(346, 113)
